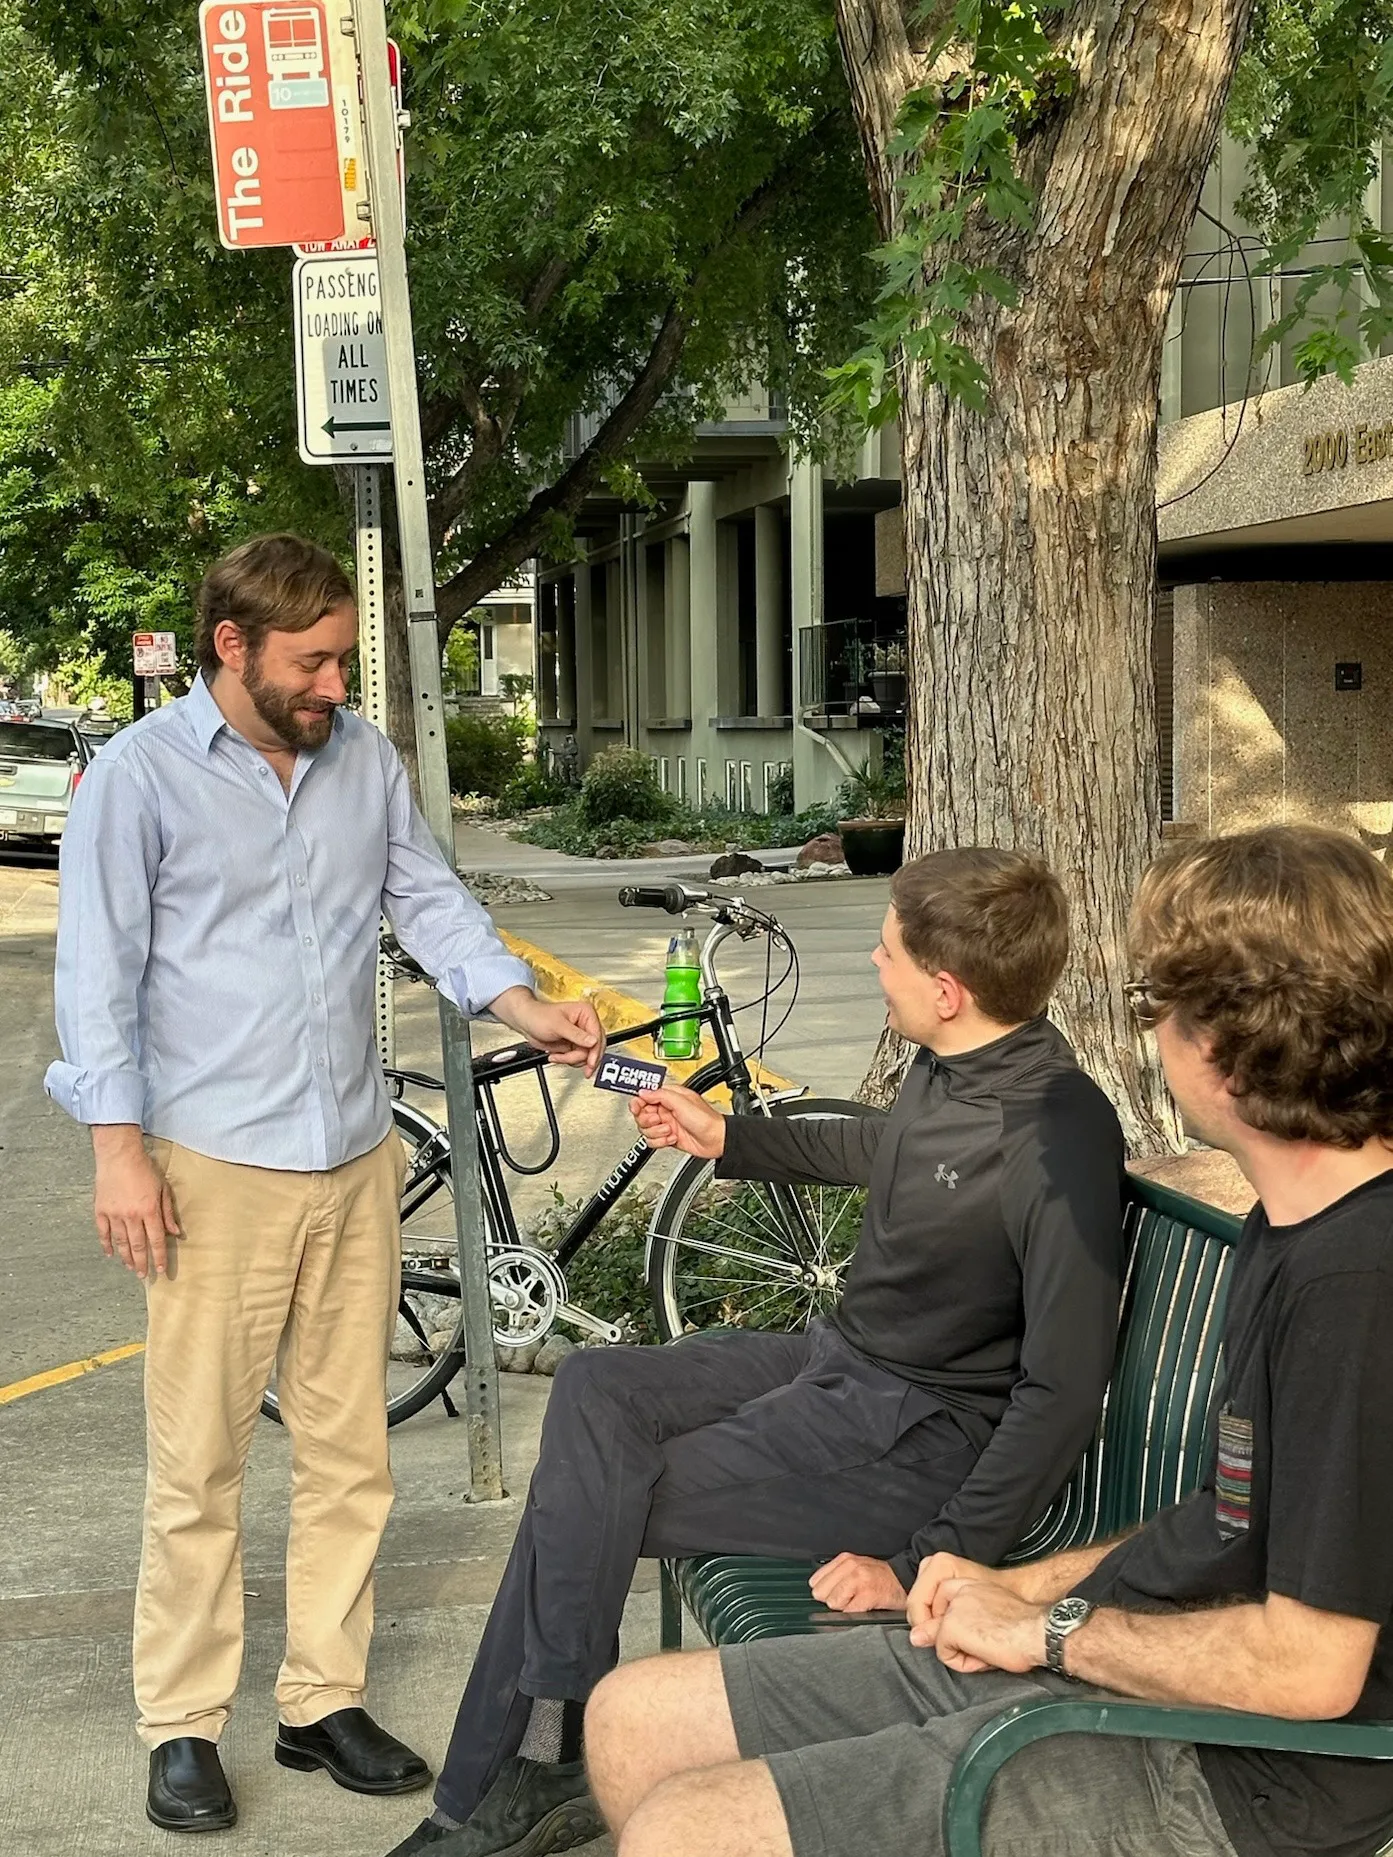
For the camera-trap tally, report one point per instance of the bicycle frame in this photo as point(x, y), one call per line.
point(728, 1067)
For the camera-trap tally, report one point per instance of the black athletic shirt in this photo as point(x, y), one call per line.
point(988, 1266)
point(1299, 1501)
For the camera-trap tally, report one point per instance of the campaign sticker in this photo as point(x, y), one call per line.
point(629, 1075)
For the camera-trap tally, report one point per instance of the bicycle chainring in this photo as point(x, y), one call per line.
point(525, 1290)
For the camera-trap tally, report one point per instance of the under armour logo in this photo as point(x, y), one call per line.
point(946, 1175)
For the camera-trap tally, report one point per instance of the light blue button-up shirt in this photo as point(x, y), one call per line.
point(217, 937)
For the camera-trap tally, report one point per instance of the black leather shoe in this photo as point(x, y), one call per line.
point(533, 1809)
point(425, 1834)
point(188, 1789)
point(354, 1751)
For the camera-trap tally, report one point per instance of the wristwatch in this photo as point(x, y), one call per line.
point(1063, 1617)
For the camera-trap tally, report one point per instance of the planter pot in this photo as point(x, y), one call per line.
point(888, 689)
point(872, 847)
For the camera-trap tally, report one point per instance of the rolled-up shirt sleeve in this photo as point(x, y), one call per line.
point(433, 916)
point(107, 867)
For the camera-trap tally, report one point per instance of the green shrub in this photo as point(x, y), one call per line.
point(485, 753)
point(873, 793)
point(780, 793)
point(606, 1276)
point(813, 821)
point(532, 785)
point(622, 783)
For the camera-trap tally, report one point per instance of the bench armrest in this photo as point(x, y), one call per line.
point(992, 1746)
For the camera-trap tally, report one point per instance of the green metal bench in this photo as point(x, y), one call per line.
point(1149, 1450)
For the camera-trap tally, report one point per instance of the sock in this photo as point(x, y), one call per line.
point(442, 1818)
point(543, 1735)
point(553, 1732)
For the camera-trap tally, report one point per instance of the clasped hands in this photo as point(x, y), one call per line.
point(971, 1615)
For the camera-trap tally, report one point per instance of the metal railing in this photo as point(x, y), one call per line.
point(853, 667)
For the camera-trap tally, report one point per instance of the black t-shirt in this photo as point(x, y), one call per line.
point(1298, 1501)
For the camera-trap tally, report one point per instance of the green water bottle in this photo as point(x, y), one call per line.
point(681, 1037)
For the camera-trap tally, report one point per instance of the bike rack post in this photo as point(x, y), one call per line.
point(372, 671)
point(382, 142)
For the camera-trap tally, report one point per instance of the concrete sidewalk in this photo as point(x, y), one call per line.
point(72, 1774)
point(482, 847)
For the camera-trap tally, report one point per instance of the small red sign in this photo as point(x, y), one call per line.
point(271, 118)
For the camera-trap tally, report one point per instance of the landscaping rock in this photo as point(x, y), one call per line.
point(823, 870)
point(667, 848)
point(518, 1360)
point(824, 849)
point(490, 886)
point(553, 1351)
point(734, 864)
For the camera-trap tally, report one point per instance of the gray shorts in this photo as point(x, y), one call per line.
point(860, 1731)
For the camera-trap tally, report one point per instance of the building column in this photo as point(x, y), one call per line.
point(704, 617)
point(769, 631)
point(633, 653)
point(815, 774)
point(677, 619)
point(586, 693)
point(566, 648)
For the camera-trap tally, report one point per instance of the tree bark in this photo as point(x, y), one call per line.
point(1030, 528)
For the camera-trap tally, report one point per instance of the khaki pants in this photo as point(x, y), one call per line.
point(272, 1269)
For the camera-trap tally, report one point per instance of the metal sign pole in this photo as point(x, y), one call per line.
point(418, 575)
point(372, 672)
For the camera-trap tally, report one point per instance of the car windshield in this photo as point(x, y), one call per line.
point(35, 741)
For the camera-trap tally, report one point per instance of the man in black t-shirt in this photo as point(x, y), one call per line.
point(1268, 963)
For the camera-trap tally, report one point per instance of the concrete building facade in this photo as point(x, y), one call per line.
point(752, 626)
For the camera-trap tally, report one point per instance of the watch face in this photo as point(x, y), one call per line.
point(1071, 1611)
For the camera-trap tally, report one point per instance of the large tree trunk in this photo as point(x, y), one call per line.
point(1030, 528)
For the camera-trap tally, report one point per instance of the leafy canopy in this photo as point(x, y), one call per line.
point(602, 194)
point(1311, 105)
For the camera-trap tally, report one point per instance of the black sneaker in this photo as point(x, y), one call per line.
point(531, 1810)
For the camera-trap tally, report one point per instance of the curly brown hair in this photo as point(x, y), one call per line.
point(272, 583)
point(1276, 946)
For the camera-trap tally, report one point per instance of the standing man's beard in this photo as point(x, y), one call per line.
point(278, 710)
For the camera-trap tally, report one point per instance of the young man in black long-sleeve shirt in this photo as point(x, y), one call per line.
point(939, 1408)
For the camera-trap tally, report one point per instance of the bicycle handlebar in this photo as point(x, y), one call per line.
point(673, 897)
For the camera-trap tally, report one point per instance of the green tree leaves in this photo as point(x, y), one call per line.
point(602, 194)
point(1312, 104)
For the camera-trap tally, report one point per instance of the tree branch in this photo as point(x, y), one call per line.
point(563, 499)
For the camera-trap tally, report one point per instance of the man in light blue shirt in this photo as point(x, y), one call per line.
point(224, 870)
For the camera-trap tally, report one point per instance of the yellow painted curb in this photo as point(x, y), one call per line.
point(557, 979)
point(74, 1370)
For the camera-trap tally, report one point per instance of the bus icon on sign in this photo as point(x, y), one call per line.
point(295, 58)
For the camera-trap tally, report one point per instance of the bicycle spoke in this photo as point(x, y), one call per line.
point(740, 1254)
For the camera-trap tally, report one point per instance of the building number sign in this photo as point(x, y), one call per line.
point(1340, 446)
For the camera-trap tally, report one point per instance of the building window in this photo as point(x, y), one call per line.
point(682, 778)
point(702, 792)
point(747, 787)
point(1163, 671)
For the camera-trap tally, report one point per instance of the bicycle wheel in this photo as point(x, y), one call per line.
point(428, 1346)
point(721, 1253)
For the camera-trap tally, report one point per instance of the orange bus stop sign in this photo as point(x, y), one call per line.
point(271, 115)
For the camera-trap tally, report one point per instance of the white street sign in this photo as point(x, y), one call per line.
point(154, 654)
point(341, 360)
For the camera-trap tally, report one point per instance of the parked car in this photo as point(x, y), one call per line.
point(41, 764)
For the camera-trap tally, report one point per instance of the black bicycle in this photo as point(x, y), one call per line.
point(741, 1254)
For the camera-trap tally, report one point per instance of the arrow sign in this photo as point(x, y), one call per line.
point(341, 389)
